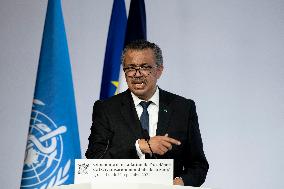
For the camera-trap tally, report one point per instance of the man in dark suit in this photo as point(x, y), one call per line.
point(148, 122)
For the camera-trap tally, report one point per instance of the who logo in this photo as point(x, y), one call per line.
point(43, 167)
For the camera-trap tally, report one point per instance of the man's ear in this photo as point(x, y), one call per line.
point(159, 71)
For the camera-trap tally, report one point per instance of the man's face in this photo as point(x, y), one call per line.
point(142, 82)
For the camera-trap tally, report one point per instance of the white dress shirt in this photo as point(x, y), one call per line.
point(153, 110)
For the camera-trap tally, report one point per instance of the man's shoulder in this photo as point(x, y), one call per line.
point(118, 97)
point(114, 100)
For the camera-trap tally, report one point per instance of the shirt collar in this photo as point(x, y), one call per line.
point(154, 98)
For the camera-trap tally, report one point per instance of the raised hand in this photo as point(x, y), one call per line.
point(159, 144)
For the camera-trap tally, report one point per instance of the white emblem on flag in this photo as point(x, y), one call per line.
point(42, 166)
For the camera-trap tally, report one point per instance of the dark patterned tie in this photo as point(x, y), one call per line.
point(144, 119)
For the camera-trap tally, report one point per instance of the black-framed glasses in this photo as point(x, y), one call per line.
point(143, 69)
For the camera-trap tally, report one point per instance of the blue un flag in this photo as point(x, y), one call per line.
point(53, 140)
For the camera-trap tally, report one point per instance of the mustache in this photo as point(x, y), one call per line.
point(137, 80)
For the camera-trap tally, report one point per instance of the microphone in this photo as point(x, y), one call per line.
point(145, 134)
point(103, 154)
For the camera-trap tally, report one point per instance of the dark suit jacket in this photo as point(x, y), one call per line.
point(116, 127)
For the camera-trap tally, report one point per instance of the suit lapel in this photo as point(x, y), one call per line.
point(129, 114)
point(164, 113)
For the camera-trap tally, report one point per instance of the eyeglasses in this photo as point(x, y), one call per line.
point(143, 69)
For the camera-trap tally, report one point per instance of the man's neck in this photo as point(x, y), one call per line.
point(146, 98)
point(154, 98)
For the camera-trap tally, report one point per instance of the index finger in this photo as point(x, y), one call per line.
point(172, 140)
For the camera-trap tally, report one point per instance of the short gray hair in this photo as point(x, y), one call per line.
point(142, 45)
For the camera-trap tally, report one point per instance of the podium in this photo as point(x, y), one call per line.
point(123, 174)
point(122, 186)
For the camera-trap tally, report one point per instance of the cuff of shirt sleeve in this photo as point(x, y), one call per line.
point(138, 150)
